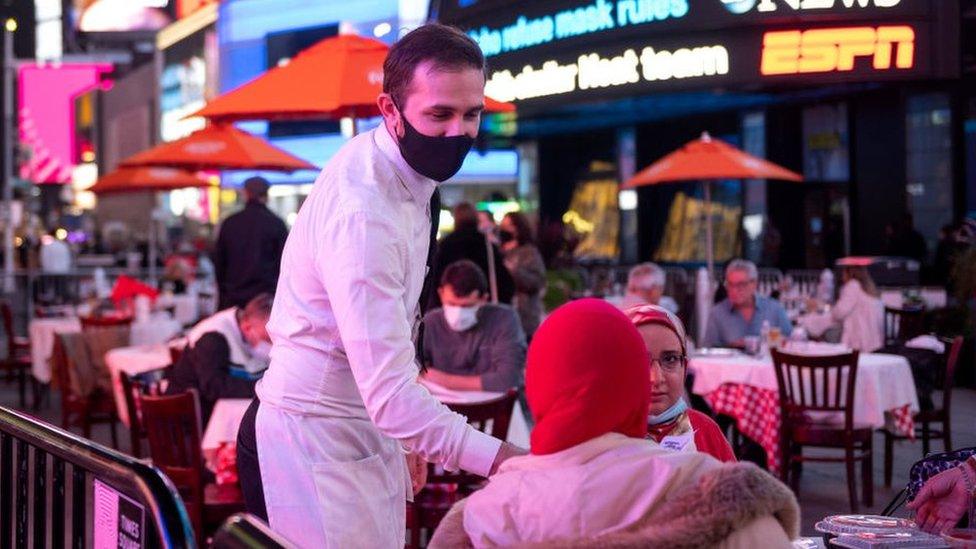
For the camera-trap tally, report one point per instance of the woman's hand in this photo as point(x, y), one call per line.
point(942, 501)
point(418, 472)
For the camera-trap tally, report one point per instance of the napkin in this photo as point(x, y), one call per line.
point(928, 342)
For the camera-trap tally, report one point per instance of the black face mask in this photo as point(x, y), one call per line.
point(438, 158)
point(505, 236)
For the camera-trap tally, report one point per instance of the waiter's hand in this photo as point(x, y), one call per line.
point(418, 472)
point(506, 451)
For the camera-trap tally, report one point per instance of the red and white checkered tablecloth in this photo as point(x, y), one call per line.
point(756, 414)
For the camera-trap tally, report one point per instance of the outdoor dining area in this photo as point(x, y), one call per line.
point(835, 381)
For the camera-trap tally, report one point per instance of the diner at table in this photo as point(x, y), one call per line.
point(468, 343)
point(670, 421)
point(645, 285)
point(744, 312)
point(589, 388)
point(224, 355)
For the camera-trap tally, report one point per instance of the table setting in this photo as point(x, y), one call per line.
point(744, 387)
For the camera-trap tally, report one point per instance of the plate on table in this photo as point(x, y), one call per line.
point(856, 524)
point(716, 352)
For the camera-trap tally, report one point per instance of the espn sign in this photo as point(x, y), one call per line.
point(836, 49)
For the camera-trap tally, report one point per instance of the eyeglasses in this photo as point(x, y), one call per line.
point(738, 285)
point(670, 362)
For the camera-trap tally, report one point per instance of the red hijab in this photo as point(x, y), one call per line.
point(585, 376)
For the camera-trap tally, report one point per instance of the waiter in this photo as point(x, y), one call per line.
point(340, 406)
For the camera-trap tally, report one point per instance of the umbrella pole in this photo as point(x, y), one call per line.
point(709, 256)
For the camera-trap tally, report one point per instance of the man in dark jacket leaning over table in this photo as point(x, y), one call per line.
point(469, 344)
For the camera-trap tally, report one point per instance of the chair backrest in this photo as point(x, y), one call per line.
point(7, 312)
point(131, 390)
point(490, 416)
point(96, 322)
point(815, 384)
point(900, 325)
point(769, 281)
point(952, 360)
point(173, 427)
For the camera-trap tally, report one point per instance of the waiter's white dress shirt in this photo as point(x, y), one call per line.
point(341, 394)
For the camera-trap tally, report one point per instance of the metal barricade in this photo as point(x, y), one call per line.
point(59, 490)
point(244, 531)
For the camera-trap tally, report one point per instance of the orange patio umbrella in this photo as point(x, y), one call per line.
point(219, 147)
point(147, 178)
point(338, 77)
point(706, 159)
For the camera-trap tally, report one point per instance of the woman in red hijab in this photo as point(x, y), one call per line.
point(592, 478)
point(670, 422)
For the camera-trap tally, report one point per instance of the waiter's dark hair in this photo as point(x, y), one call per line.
point(447, 47)
point(464, 277)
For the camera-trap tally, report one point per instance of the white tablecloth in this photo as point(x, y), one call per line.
point(133, 360)
point(228, 412)
point(884, 382)
point(225, 420)
point(186, 307)
point(158, 329)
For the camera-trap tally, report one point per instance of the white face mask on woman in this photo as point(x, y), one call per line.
point(460, 319)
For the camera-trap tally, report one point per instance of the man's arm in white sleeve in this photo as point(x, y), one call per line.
point(363, 271)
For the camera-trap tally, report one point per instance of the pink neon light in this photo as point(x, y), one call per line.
point(46, 116)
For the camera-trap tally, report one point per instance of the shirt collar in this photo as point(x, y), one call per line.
point(418, 186)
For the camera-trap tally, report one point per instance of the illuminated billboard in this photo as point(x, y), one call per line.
point(550, 52)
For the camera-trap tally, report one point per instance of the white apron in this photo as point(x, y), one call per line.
point(354, 498)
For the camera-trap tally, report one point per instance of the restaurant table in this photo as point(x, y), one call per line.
point(159, 328)
point(133, 360)
point(518, 427)
point(221, 430)
point(744, 387)
point(225, 420)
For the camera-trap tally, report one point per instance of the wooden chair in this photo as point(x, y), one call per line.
point(133, 388)
point(924, 418)
point(900, 325)
point(173, 427)
point(96, 322)
point(81, 410)
point(433, 502)
point(814, 385)
point(17, 364)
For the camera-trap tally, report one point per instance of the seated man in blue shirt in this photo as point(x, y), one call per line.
point(743, 312)
point(469, 344)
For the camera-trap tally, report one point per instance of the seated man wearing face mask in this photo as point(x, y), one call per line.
point(224, 354)
point(469, 344)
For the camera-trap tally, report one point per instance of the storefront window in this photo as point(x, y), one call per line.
point(929, 163)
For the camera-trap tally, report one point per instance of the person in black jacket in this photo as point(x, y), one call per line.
point(206, 364)
point(248, 251)
point(467, 242)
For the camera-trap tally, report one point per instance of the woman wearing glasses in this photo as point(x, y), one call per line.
point(670, 422)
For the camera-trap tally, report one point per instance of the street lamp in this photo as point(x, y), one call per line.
point(9, 27)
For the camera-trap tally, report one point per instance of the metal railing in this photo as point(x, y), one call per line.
point(58, 490)
point(244, 531)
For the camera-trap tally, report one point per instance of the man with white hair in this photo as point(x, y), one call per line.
point(645, 285)
point(744, 311)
